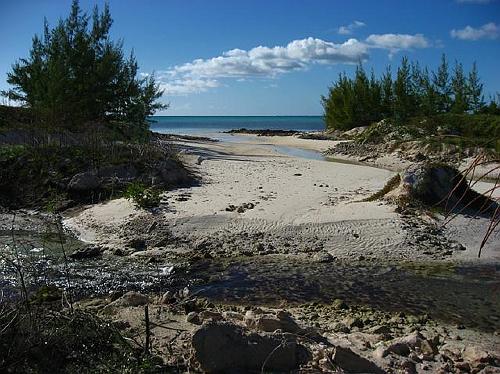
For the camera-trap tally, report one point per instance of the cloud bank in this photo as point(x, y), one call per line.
point(268, 62)
point(486, 31)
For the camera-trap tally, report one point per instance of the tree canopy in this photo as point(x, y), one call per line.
point(75, 75)
point(414, 91)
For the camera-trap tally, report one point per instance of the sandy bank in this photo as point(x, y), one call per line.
point(299, 205)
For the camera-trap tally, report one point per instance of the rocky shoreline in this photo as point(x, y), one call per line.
point(312, 273)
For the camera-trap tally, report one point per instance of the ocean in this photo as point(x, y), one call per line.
point(213, 126)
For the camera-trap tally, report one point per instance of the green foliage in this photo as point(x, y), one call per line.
point(463, 130)
point(9, 152)
point(414, 92)
point(45, 340)
point(353, 101)
point(142, 196)
point(75, 75)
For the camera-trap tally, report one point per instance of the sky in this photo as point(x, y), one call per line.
point(272, 57)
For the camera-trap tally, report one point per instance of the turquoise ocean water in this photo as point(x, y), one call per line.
point(210, 126)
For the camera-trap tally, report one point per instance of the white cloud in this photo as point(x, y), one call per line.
point(184, 86)
point(486, 31)
point(397, 42)
point(349, 29)
point(268, 62)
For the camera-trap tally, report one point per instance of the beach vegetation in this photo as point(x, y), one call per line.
point(447, 97)
point(76, 76)
point(143, 197)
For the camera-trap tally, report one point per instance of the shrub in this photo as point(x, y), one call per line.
point(142, 196)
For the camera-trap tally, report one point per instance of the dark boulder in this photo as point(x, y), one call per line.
point(86, 181)
point(86, 252)
point(221, 347)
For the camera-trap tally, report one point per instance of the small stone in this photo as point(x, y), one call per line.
point(209, 315)
point(323, 257)
point(192, 317)
point(409, 367)
point(167, 297)
point(353, 322)
point(339, 304)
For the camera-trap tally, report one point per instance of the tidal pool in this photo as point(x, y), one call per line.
point(463, 294)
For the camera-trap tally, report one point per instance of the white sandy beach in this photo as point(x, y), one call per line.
point(312, 201)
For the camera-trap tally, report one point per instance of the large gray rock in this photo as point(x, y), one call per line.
point(86, 181)
point(270, 323)
point(438, 184)
point(86, 252)
point(170, 173)
point(131, 298)
point(430, 183)
point(221, 347)
point(117, 175)
point(353, 363)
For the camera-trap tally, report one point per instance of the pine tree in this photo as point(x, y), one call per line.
point(475, 90)
point(387, 101)
point(403, 93)
point(459, 89)
point(441, 83)
point(76, 75)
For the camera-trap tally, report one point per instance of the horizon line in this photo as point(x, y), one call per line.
point(237, 115)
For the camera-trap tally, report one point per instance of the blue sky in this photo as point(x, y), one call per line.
point(273, 57)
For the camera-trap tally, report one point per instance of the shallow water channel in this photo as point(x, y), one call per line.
point(468, 295)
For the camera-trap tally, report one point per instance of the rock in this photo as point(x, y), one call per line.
point(192, 317)
point(340, 304)
point(130, 299)
point(270, 323)
point(458, 247)
point(380, 329)
point(167, 298)
point(428, 350)
point(232, 315)
point(409, 367)
point(354, 132)
point(170, 172)
point(353, 322)
point(137, 243)
point(206, 315)
point(117, 175)
point(231, 208)
point(354, 363)
point(476, 356)
point(463, 366)
point(490, 370)
point(220, 347)
point(341, 327)
point(86, 181)
point(323, 257)
point(87, 252)
point(439, 184)
point(249, 205)
point(401, 346)
point(201, 244)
